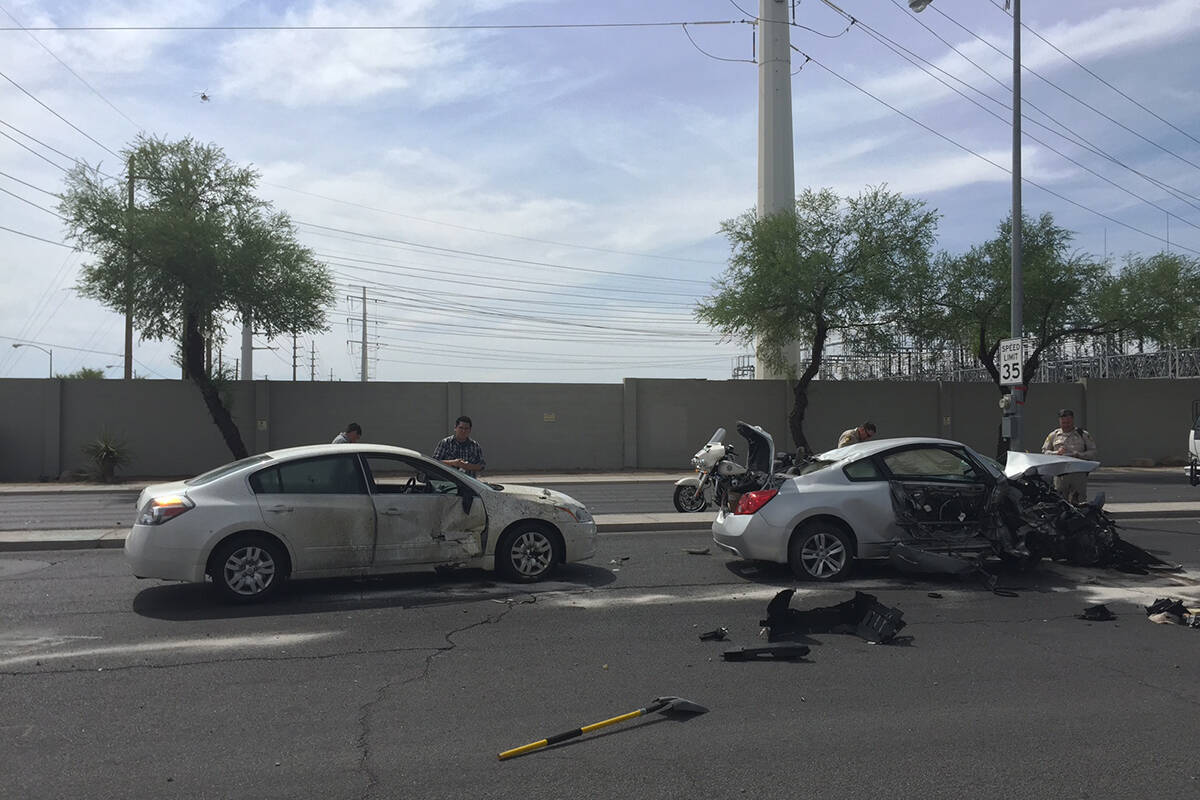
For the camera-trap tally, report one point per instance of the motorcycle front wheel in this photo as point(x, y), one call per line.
point(689, 499)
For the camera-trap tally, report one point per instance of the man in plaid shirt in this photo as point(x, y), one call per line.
point(459, 450)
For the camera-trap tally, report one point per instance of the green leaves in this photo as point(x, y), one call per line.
point(835, 265)
point(196, 241)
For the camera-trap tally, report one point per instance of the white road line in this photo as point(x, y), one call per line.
point(176, 645)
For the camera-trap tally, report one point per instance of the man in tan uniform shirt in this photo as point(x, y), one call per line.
point(856, 435)
point(1067, 440)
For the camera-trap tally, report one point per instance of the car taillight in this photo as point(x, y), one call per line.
point(163, 509)
point(753, 501)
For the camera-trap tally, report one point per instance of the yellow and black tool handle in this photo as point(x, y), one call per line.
point(565, 735)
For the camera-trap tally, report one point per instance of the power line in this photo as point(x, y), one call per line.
point(30, 185)
point(492, 27)
point(912, 58)
point(1106, 83)
point(493, 233)
point(1083, 103)
point(66, 66)
point(1066, 133)
point(60, 116)
point(35, 205)
point(505, 259)
point(39, 238)
point(963, 147)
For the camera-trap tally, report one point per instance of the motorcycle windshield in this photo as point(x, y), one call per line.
point(760, 451)
point(717, 437)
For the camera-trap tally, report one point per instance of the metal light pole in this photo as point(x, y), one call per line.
point(1016, 318)
point(44, 350)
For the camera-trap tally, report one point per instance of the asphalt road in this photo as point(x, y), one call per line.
point(97, 509)
point(409, 686)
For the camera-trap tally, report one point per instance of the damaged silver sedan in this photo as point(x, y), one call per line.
point(331, 510)
point(928, 505)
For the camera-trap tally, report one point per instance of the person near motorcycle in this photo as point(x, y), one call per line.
point(1067, 440)
point(855, 435)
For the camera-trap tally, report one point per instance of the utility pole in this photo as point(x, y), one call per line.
point(128, 372)
point(364, 335)
point(312, 362)
point(247, 348)
point(1017, 319)
point(295, 357)
point(776, 162)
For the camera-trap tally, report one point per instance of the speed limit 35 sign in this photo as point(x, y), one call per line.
point(1011, 358)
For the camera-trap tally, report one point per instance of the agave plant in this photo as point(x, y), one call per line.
point(106, 453)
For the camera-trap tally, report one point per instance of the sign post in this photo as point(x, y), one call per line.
point(1011, 364)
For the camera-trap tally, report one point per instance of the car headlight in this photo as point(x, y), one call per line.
point(163, 509)
point(577, 513)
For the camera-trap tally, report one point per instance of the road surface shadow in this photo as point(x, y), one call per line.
point(195, 601)
point(1008, 578)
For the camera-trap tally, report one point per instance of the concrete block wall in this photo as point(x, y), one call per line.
point(639, 424)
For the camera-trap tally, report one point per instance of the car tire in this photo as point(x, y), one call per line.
point(249, 568)
point(689, 499)
point(821, 551)
point(527, 553)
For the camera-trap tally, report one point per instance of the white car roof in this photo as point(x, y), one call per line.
point(876, 445)
point(304, 451)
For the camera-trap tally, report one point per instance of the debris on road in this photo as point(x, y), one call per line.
point(665, 705)
point(775, 652)
point(718, 635)
point(696, 551)
point(1097, 613)
point(1171, 611)
point(863, 616)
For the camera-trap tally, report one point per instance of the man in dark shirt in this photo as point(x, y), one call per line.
point(459, 450)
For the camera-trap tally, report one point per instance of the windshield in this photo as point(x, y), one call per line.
point(993, 466)
point(226, 469)
point(717, 437)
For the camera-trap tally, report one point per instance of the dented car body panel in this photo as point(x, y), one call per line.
point(348, 510)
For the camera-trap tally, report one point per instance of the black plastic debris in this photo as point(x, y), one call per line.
point(778, 652)
point(1169, 611)
point(718, 635)
point(1097, 613)
point(862, 616)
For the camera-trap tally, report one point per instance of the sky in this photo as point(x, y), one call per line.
point(532, 190)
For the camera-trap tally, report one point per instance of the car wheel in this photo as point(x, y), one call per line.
point(689, 499)
point(527, 553)
point(247, 569)
point(821, 551)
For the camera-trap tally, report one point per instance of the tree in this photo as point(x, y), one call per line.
point(197, 252)
point(1067, 294)
point(833, 267)
point(83, 373)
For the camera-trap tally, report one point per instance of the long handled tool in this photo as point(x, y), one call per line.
point(663, 704)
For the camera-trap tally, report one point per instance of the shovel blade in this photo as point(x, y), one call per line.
point(679, 705)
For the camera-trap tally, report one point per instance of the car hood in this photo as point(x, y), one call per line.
point(536, 494)
point(1018, 464)
point(156, 489)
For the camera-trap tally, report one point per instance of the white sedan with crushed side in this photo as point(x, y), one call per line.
point(336, 510)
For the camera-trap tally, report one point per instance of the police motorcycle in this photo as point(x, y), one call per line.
point(715, 472)
point(720, 480)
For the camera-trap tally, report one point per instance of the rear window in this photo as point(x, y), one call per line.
point(864, 470)
point(227, 469)
point(814, 466)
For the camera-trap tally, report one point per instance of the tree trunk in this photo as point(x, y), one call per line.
point(193, 360)
point(800, 390)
